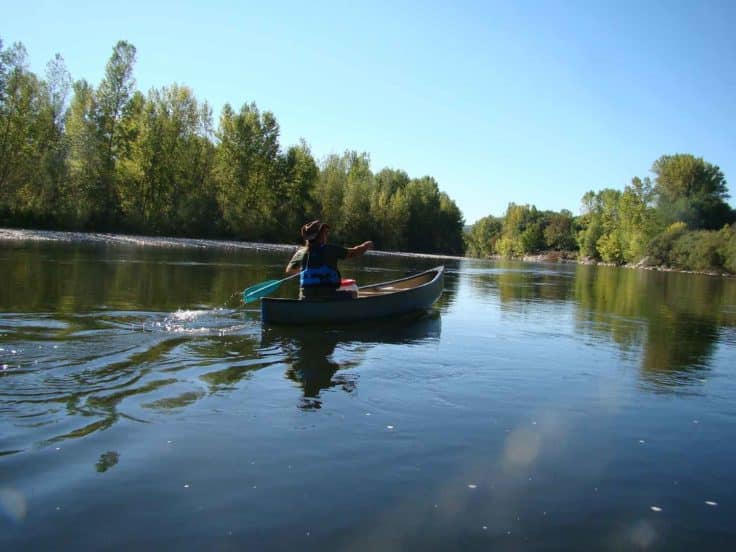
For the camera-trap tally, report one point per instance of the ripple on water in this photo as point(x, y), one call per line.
point(66, 376)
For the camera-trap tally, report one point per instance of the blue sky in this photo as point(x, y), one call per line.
point(530, 102)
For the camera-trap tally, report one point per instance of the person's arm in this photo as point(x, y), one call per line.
point(359, 250)
point(295, 264)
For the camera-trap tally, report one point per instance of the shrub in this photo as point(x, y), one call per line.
point(728, 251)
point(698, 250)
point(659, 248)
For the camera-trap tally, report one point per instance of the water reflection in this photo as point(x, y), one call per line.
point(77, 277)
point(107, 460)
point(310, 352)
point(674, 320)
point(670, 323)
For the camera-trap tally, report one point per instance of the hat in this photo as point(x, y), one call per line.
point(312, 229)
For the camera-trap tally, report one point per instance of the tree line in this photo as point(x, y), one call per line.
point(679, 219)
point(111, 158)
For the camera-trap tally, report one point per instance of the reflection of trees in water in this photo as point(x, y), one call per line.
point(74, 277)
point(679, 351)
point(310, 351)
point(520, 286)
point(610, 304)
point(452, 279)
point(241, 356)
point(671, 321)
point(675, 319)
point(523, 286)
point(107, 460)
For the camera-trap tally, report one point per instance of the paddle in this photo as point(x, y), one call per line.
point(254, 293)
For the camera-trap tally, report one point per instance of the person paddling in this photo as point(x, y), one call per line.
point(317, 261)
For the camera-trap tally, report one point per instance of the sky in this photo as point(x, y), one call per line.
point(526, 102)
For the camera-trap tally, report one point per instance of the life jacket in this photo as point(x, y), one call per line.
point(315, 271)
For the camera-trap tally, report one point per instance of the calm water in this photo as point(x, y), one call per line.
point(538, 407)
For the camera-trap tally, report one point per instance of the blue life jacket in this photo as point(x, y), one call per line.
point(315, 271)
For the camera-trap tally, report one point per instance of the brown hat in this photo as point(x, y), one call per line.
point(312, 229)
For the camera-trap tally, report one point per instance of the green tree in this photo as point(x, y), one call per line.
point(165, 184)
point(247, 164)
point(296, 203)
point(113, 108)
point(330, 190)
point(51, 190)
point(357, 221)
point(18, 117)
point(559, 231)
point(31, 134)
point(390, 209)
point(638, 220)
point(482, 236)
point(451, 224)
point(84, 164)
point(117, 159)
point(691, 190)
point(423, 198)
point(523, 231)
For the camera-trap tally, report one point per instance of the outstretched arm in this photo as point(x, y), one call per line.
point(359, 250)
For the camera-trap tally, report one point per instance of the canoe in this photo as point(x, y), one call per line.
point(394, 298)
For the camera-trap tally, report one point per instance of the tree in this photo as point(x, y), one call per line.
point(390, 209)
point(50, 188)
point(691, 190)
point(523, 231)
point(450, 224)
point(117, 159)
point(330, 190)
point(481, 238)
point(246, 169)
point(30, 139)
point(164, 184)
point(20, 90)
point(423, 198)
point(83, 160)
point(638, 220)
point(112, 108)
point(559, 231)
point(295, 204)
point(357, 219)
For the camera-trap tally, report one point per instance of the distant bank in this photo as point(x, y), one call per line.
point(22, 235)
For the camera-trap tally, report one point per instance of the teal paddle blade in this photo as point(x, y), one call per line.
point(254, 293)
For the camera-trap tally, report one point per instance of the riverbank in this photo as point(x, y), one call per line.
point(20, 235)
point(102, 238)
point(572, 258)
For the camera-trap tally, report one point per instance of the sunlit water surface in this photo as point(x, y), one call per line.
point(540, 407)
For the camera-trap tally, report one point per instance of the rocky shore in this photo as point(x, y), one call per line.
point(572, 257)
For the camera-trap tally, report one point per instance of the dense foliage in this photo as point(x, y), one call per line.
point(521, 231)
point(681, 220)
point(108, 157)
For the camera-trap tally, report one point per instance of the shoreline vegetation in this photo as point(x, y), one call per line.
point(109, 158)
point(572, 257)
point(550, 257)
point(679, 221)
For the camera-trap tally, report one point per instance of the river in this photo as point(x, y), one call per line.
point(537, 407)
